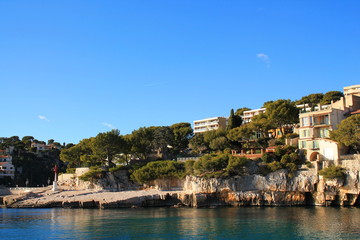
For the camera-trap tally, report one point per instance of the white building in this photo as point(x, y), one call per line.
point(248, 115)
point(209, 124)
point(7, 169)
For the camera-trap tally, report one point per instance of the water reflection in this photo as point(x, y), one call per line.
point(184, 223)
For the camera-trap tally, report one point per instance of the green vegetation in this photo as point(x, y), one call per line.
point(159, 170)
point(332, 172)
point(31, 164)
point(285, 157)
point(92, 175)
point(234, 120)
point(319, 98)
point(348, 132)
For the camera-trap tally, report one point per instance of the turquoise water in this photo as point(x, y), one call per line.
point(183, 223)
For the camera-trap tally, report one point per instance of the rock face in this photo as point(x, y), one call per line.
point(275, 189)
point(113, 181)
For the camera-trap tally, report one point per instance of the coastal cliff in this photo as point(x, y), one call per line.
point(274, 189)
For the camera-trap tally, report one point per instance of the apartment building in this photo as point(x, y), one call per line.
point(316, 124)
point(209, 124)
point(352, 90)
point(7, 169)
point(248, 115)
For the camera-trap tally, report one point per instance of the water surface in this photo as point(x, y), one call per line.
point(183, 223)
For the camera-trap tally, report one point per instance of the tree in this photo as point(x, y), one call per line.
point(265, 104)
point(311, 99)
point(182, 133)
point(348, 132)
point(233, 121)
point(76, 155)
point(260, 123)
point(240, 134)
point(162, 140)
point(198, 144)
point(27, 141)
point(142, 142)
point(236, 165)
point(107, 145)
point(127, 148)
point(50, 141)
point(219, 143)
point(281, 113)
point(331, 96)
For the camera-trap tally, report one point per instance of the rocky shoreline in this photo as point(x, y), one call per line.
point(149, 198)
point(306, 188)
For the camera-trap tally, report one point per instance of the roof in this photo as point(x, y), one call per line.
point(207, 119)
point(355, 112)
point(4, 156)
point(4, 163)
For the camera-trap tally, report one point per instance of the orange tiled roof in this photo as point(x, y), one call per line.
point(355, 112)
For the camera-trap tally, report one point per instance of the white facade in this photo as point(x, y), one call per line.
point(248, 115)
point(209, 124)
point(7, 169)
point(352, 90)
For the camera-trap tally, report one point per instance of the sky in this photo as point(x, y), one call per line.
point(72, 69)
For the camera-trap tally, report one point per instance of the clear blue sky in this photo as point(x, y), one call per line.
point(71, 69)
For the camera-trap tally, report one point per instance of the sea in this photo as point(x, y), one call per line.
point(182, 223)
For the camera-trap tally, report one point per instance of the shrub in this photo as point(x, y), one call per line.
point(332, 172)
point(158, 170)
point(212, 162)
point(93, 174)
point(267, 157)
point(295, 158)
point(279, 151)
point(280, 141)
point(236, 165)
point(117, 168)
point(189, 167)
point(285, 159)
point(292, 168)
point(274, 166)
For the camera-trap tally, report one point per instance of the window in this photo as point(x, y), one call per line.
point(305, 121)
point(324, 133)
point(302, 144)
point(315, 144)
point(304, 133)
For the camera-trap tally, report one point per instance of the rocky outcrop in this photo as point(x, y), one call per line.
point(113, 181)
point(275, 189)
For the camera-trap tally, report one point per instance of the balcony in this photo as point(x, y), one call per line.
point(315, 109)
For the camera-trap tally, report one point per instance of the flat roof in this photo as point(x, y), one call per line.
point(212, 118)
point(352, 86)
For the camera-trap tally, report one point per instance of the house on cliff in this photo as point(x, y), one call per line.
point(317, 122)
point(7, 169)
